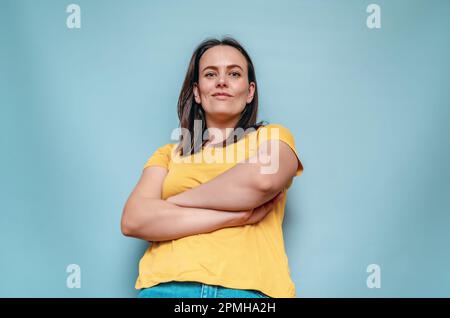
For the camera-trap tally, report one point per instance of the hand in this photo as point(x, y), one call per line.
point(257, 214)
point(170, 199)
point(173, 200)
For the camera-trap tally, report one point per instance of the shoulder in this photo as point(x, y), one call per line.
point(281, 133)
point(275, 131)
point(161, 156)
point(167, 148)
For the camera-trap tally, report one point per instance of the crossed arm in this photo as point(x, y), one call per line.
point(242, 190)
point(243, 186)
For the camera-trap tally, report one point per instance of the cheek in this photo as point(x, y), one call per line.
point(240, 84)
point(241, 90)
point(205, 86)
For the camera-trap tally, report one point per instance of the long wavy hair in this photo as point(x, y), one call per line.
point(191, 137)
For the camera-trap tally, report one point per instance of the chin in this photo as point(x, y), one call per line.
point(224, 110)
point(223, 115)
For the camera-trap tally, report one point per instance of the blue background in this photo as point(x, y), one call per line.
point(83, 109)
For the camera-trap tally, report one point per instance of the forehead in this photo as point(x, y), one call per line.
point(222, 55)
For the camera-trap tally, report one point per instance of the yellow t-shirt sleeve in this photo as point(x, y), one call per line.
point(279, 132)
point(161, 157)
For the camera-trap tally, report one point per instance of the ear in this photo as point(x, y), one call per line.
point(196, 94)
point(251, 92)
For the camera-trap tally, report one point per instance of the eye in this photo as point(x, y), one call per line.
point(208, 74)
point(235, 74)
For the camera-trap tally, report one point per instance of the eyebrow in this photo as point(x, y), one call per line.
point(216, 68)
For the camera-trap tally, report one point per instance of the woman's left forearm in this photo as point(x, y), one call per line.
point(244, 186)
point(240, 188)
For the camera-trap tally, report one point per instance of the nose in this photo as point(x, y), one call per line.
point(221, 81)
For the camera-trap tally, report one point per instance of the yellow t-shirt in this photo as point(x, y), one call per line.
point(243, 257)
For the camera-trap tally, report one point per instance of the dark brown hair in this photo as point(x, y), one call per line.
point(189, 110)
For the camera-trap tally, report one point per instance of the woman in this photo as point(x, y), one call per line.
point(212, 205)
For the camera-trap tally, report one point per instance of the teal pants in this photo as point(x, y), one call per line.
point(196, 290)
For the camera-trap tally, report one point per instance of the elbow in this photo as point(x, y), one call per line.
point(266, 183)
point(270, 184)
point(126, 229)
point(127, 226)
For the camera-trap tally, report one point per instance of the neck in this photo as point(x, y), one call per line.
point(218, 131)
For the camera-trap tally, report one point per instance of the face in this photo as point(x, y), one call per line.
point(223, 89)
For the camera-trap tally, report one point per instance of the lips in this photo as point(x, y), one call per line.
point(222, 94)
point(221, 97)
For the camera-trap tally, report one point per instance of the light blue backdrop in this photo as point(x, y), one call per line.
point(83, 109)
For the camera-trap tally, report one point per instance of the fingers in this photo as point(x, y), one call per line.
point(269, 204)
point(260, 212)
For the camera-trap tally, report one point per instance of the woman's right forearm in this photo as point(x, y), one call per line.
point(159, 220)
